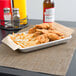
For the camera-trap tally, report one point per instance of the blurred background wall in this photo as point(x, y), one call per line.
point(65, 9)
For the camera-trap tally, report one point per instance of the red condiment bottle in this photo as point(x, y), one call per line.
point(48, 11)
point(4, 4)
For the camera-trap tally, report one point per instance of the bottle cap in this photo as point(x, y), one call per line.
point(15, 9)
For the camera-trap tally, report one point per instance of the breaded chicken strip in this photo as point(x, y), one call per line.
point(43, 26)
point(53, 36)
point(43, 31)
point(36, 34)
point(51, 26)
point(32, 30)
point(56, 32)
point(43, 38)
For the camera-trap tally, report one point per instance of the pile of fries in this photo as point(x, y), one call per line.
point(39, 34)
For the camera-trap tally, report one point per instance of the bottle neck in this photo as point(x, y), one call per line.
point(49, 1)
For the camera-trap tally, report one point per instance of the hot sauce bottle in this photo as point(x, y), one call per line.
point(48, 11)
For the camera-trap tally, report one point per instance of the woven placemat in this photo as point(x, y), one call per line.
point(53, 60)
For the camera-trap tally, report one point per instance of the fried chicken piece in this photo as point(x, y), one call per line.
point(43, 26)
point(43, 38)
point(43, 31)
point(62, 37)
point(36, 34)
point(32, 30)
point(56, 32)
point(51, 26)
point(53, 36)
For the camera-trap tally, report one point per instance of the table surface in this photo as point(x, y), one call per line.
point(6, 71)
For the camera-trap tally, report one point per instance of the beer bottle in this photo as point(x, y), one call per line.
point(48, 11)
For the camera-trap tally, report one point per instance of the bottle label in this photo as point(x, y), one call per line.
point(49, 15)
point(7, 18)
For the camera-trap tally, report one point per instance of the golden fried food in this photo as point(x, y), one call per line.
point(24, 40)
point(43, 26)
point(56, 32)
point(32, 30)
point(42, 38)
point(53, 36)
point(36, 34)
point(51, 26)
point(62, 37)
point(39, 34)
point(43, 31)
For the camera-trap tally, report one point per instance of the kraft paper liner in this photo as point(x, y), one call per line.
point(67, 32)
point(53, 60)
